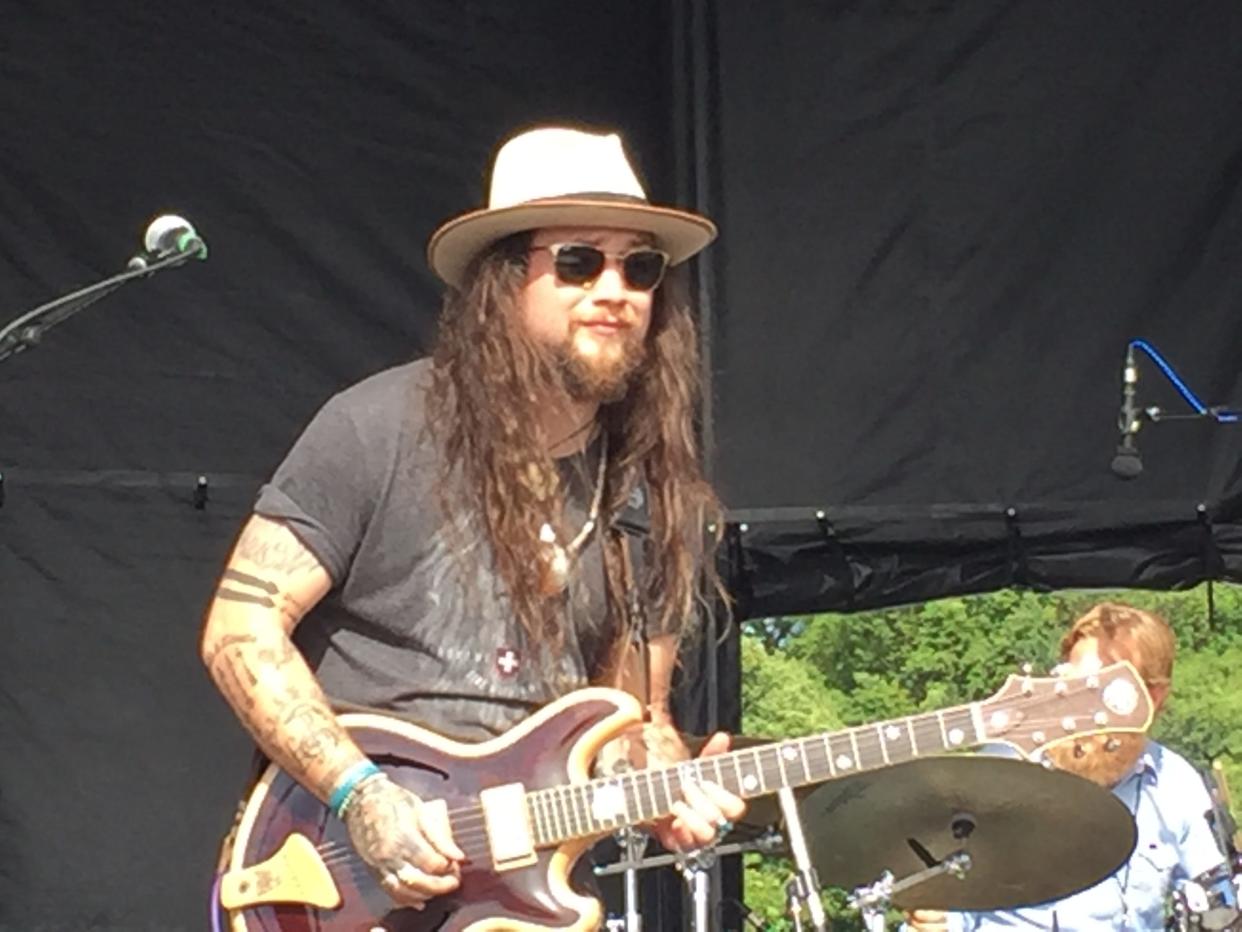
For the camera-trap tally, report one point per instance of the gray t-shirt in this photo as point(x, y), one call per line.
point(417, 622)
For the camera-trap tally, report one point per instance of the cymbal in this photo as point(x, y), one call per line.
point(1032, 834)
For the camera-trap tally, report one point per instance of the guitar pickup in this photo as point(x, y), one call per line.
point(294, 874)
point(508, 826)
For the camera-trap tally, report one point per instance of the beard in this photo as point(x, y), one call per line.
point(1091, 758)
point(604, 376)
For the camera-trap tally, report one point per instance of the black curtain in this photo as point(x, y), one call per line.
point(315, 147)
point(945, 222)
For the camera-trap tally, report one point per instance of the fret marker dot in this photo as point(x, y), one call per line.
point(608, 803)
point(892, 733)
point(844, 762)
point(1000, 719)
point(789, 752)
point(749, 782)
point(956, 736)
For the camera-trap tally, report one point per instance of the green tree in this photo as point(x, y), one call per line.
point(802, 675)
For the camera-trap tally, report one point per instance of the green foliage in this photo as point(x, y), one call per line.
point(802, 675)
point(782, 697)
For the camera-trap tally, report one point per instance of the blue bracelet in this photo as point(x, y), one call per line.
point(349, 782)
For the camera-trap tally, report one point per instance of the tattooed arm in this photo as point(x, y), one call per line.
point(271, 582)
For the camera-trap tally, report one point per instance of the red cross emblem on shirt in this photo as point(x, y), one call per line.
point(507, 661)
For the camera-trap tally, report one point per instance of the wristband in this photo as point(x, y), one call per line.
point(349, 781)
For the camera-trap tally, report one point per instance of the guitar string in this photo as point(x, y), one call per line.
point(469, 831)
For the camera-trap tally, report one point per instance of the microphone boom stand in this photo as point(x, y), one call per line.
point(27, 330)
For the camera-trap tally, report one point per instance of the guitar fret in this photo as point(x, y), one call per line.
point(650, 784)
point(668, 791)
point(858, 762)
point(914, 745)
point(779, 750)
point(944, 736)
point(573, 820)
point(549, 816)
point(832, 767)
point(806, 763)
point(640, 816)
point(879, 733)
point(976, 719)
point(549, 801)
point(741, 779)
point(532, 809)
point(763, 785)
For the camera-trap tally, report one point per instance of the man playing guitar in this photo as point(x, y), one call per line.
point(461, 540)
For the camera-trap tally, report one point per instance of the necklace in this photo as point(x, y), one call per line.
point(557, 558)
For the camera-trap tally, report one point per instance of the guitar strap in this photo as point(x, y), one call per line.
point(633, 672)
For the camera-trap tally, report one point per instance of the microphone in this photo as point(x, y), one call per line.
point(169, 235)
point(1127, 464)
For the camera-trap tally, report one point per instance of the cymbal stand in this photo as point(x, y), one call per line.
point(633, 842)
point(873, 901)
point(695, 866)
point(803, 890)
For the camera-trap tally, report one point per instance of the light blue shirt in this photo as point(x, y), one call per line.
point(1169, 802)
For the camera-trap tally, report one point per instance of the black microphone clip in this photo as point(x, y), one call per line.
point(1127, 464)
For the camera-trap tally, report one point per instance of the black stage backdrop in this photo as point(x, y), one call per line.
point(942, 223)
point(315, 147)
point(945, 221)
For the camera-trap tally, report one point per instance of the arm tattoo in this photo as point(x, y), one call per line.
point(229, 640)
point(311, 732)
point(247, 580)
point(263, 548)
point(291, 609)
point(232, 595)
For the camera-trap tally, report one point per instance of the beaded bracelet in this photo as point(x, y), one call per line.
point(339, 801)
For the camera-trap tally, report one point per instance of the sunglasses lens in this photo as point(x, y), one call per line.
point(644, 269)
point(578, 264)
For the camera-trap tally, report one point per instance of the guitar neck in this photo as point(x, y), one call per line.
point(563, 813)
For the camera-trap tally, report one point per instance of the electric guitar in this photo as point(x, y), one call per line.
point(523, 806)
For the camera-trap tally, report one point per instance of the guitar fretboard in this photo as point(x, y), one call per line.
point(561, 813)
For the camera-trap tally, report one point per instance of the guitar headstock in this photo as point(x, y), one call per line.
point(1031, 713)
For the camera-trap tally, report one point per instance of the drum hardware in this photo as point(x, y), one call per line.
point(802, 893)
point(1208, 903)
point(873, 901)
point(695, 867)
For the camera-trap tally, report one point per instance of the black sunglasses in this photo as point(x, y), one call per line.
point(577, 264)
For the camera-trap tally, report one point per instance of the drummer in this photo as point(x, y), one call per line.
point(1163, 791)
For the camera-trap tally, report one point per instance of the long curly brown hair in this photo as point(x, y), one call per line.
point(489, 379)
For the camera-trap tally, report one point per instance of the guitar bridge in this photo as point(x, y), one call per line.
point(294, 874)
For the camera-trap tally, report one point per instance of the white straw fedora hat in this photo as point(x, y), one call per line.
point(555, 176)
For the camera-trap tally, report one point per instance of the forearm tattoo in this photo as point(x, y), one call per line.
point(280, 705)
point(279, 552)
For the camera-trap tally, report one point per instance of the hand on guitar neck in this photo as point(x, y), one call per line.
point(706, 809)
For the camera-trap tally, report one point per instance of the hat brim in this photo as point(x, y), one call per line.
point(451, 248)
